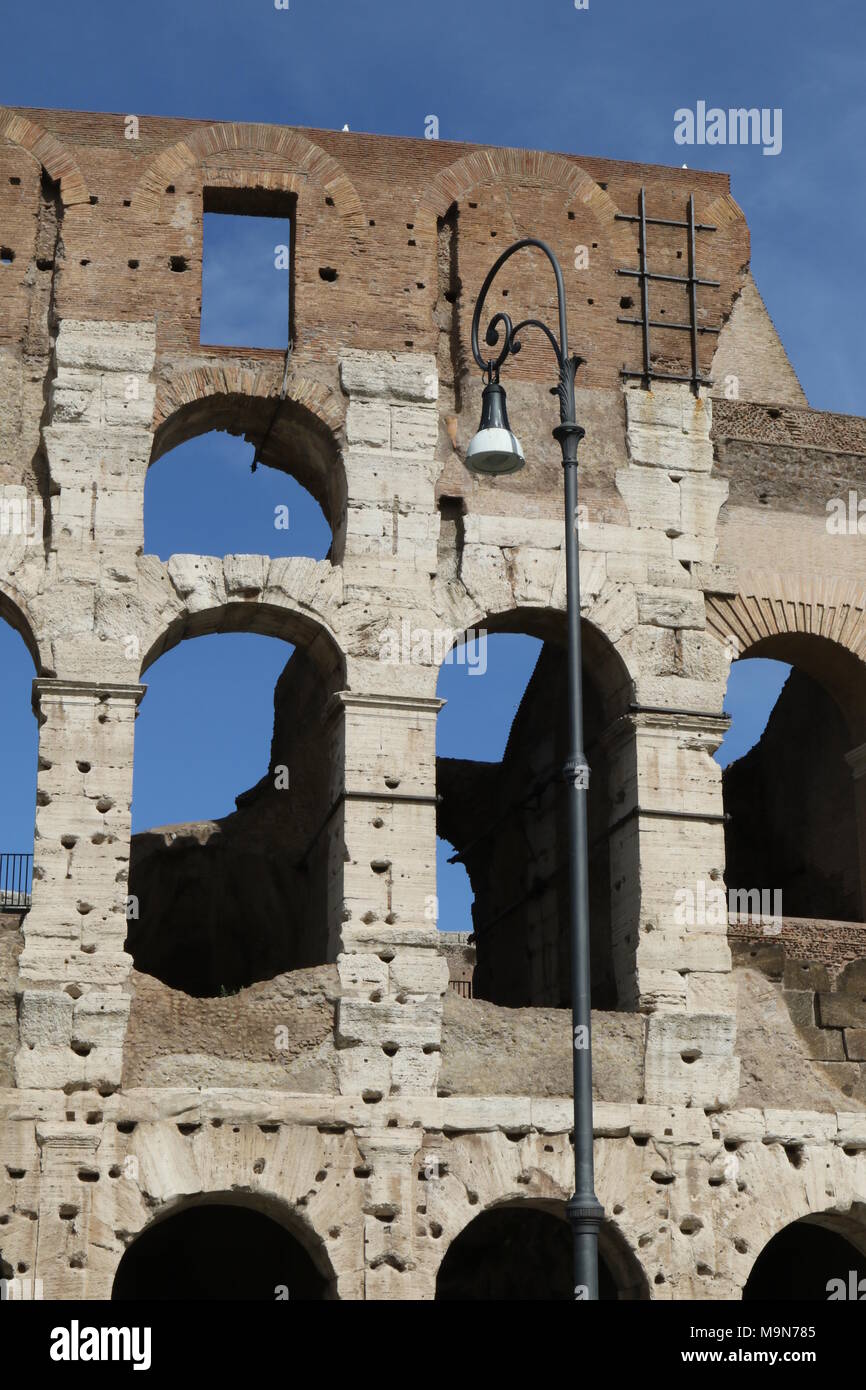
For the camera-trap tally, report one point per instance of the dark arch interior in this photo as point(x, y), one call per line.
point(517, 1253)
point(217, 1252)
point(508, 822)
point(800, 1262)
point(221, 905)
point(791, 807)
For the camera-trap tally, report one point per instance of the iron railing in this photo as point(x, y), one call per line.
point(16, 881)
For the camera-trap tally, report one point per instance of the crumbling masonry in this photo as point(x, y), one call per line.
point(387, 1124)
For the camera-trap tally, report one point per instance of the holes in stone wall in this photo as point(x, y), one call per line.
point(178, 264)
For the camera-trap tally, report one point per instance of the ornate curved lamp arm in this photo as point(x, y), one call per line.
point(512, 344)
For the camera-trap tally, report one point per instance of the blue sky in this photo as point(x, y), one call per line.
point(601, 81)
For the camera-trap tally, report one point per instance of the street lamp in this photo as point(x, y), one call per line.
point(495, 450)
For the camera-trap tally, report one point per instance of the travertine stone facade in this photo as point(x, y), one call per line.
point(397, 1112)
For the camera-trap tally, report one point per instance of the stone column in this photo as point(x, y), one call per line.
point(392, 425)
point(669, 836)
point(682, 960)
point(73, 967)
point(383, 895)
point(391, 1268)
point(68, 1173)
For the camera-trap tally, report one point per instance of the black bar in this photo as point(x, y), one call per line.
point(661, 323)
point(644, 286)
point(663, 222)
point(674, 279)
point(665, 376)
point(693, 297)
point(16, 875)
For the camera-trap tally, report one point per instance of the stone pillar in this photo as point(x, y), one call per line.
point(669, 925)
point(383, 876)
point(856, 760)
point(68, 1171)
point(683, 961)
point(73, 967)
point(390, 1200)
point(669, 834)
point(392, 426)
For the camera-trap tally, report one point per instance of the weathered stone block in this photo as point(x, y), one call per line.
point(397, 376)
point(45, 1018)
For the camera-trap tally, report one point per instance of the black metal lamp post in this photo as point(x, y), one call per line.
point(493, 450)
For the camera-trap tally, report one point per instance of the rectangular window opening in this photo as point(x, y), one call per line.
point(248, 259)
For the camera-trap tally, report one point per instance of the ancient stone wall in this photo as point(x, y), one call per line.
point(350, 1096)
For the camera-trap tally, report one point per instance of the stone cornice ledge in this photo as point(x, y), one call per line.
point(450, 1114)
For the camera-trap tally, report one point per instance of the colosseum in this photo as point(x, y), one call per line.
point(378, 1107)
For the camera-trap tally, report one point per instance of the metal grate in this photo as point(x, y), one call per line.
point(16, 879)
point(461, 987)
point(648, 372)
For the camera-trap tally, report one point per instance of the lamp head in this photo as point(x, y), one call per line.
point(494, 449)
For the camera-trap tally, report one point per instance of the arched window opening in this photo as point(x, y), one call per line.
point(228, 883)
point(793, 830)
point(203, 498)
point(812, 1260)
point(218, 1251)
point(19, 763)
point(18, 752)
point(502, 746)
point(525, 1253)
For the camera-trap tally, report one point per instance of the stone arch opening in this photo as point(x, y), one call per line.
point(223, 1251)
point(204, 498)
point(294, 436)
point(509, 823)
point(819, 1258)
point(219, 904)
point(795, 802)
point(524, 1252)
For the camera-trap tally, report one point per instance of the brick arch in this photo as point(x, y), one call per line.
point(533, 167)
point(225, 379)
point(299, 434)
point(601, 657)
point(54, 157)
point(816, 624)
point(276, 1206)
point(793, 1205)
point(723, 210)
point(14, 611)
point(289, 146)
point(773, 605)
point(288, 620)
point(620, 1256)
